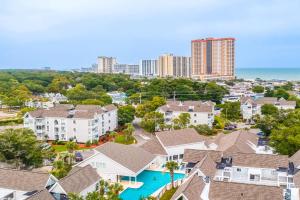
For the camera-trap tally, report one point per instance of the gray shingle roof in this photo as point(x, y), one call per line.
point(179, 137)
point(153, 146)
point(42, 195)
point(239, 191)
point(295, 158)
point(23, 180)
point(237, 141)
point(132, 157)
point(191, 188)
point(198, 106)
point(79, 179)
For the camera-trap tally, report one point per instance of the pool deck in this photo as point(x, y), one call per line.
point(132, 184)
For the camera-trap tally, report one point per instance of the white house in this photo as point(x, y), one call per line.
point(65, 122)
point(170, 145)
point(200, 112)
point(114, 161)
point(21, 184)
point(251, 107)
point(80, 180)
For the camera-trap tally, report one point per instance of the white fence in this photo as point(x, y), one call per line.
point(158, 194)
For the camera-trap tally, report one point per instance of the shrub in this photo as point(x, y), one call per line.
point(88, 143)
point(95, 142)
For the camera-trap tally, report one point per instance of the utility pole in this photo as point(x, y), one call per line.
point(140, 98)
point(174, 96)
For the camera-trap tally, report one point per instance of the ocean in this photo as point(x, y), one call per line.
point(269, 73)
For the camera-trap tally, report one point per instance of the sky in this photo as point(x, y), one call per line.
point(67, 34)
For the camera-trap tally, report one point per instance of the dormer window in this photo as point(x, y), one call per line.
point(191, 108)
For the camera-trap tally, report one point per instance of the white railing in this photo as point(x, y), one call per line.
point(159, 193)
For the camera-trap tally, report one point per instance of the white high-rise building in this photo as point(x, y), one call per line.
point(149, 67)
point(105, 64)
point(126, 69)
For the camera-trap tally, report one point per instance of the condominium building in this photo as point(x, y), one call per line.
point(213, 58)
point(65, 122)
point(174, 66)
point(149, 68)
point(126, 69)
point(105, 64)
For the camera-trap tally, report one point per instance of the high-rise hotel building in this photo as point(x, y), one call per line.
point(213, 58)
point(105, 64)
point(174, 66)
point(149, 68)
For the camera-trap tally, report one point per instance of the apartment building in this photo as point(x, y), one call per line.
point(213, 58)
point(212, 174)
point(105, 64)
point(126, 69)
point(251, 107)
point(174, 66)
point(148, 68)
point(65, 122)
point(200, 112)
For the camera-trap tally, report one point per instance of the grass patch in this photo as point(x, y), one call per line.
point(62, 148)
point(11, 121)
point(168, 194)
point(121, 140)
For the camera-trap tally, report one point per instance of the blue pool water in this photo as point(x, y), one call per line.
point(153, 180)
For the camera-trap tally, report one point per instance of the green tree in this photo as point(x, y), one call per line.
point(145, 108)
point(172, 166)
point(60, 169)
point(125, 114)
point(269, 109)
point(267, 123)
point(286, 140)
point(281, 93)
point(204, 129)
point(231, 111)
point(269, 93)
point(74, 196)
point(128, 132)
point(20, 146)
point(182, 121)
point(151, 121)
point(258, 89)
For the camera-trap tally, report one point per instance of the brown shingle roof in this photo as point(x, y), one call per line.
point(237, 141)
point(109, 107)
point(239, 191)
point(131, 157)
point(42, 195)
point(153, 146)
point(258, 160)
point(273, 100)
point(295, 158)
point(79, 179)
point(194, 156)
point(207, 166)
point(23, 180)
point(179, 137)
point(198, 106)
point(191, 188)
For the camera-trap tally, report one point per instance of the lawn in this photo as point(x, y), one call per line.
point(168, 194)
point(121, 139)
point(61, 148)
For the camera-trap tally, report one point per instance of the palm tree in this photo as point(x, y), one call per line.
point(74, 196)
point(128, 131)
point(103, 186)
point(172, 166)
point(71, 147)
point(114, 191)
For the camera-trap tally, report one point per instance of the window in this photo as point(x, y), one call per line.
point(55, 122)
point(74, 121)
point(238, 169)
point(74, 129)
point(195, 121)
point(175, 157)
point(108, 121)
point(195, 115)
point(181, 156)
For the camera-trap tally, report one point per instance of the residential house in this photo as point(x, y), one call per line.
point(114, 161)
point(170, 145)
point(251, 107)
point(80, 180)
point(66, 122)
point(200, 112)
point(21, 184)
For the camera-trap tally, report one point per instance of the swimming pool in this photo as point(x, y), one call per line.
point(153, 180)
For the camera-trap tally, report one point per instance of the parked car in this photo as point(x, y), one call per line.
point(45, 146)
point(78, 157)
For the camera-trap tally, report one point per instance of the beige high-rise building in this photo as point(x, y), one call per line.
point(213, 58)
point(174, 66)
point(105, 64)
